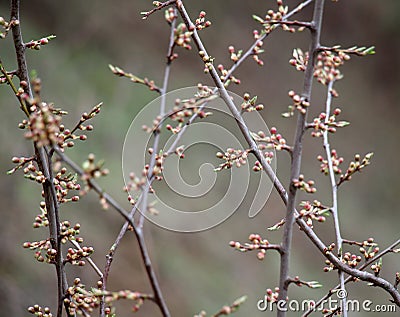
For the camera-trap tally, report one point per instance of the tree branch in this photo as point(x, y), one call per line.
point(268, 170)
point(335, 212)
point(297, 156)
point(351, 278)
point(43, 162)
point(124, 213)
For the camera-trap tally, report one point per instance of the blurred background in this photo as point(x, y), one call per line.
point(200, 271)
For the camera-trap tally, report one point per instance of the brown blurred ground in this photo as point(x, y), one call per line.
point(198, 271)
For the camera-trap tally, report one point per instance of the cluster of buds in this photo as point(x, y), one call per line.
point(137, 297)
point(313, 211)
point(201, 22)
point(272, 295)
point(69, 233)
point(155, 128)
point(36, 45)
point(40, 311)
point(350, 259)
point(299, 103)
point(226, 76)
point(158, 166)
point(41, 220)
point(322, 123)
point(67, 136)
point(327, 67)
point(268, 156)
point(355, 166)
point(299, 60)
point(185, 109)
point(33, 173)
point(76, 256)
point(179, 151)
point(144, 81)
point(170, 15)
point(275, 18)
point(249, 104)
point(368, 248)
point(63, 183)
point(307, 186)
point(232, 157)
point(336, 161)
point(44, 125)
point(274, 141)
point(6, 26)
point(203, 92)
point(183, 36)
point(92, 170)
point(376, 267)
point(235, 56)
point(44, 251)
point(22, 163)
point(208, 61)
point(370, 253)
point(81, 300)
point(257, 243)
point(135, 184)
point(257, 50)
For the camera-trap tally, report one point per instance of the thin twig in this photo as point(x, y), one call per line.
point(157, 8)
point(334, 209)
point(124, 213)
point(277, 184)
point(389, 249)
point(233, 68)
point(142, 202)
point(90, 261)
point(294, 23)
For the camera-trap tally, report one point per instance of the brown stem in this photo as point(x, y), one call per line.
point(297, 156)
point(294, 23)
point(44, 165)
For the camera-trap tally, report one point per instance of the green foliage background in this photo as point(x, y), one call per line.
point(198, 271)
